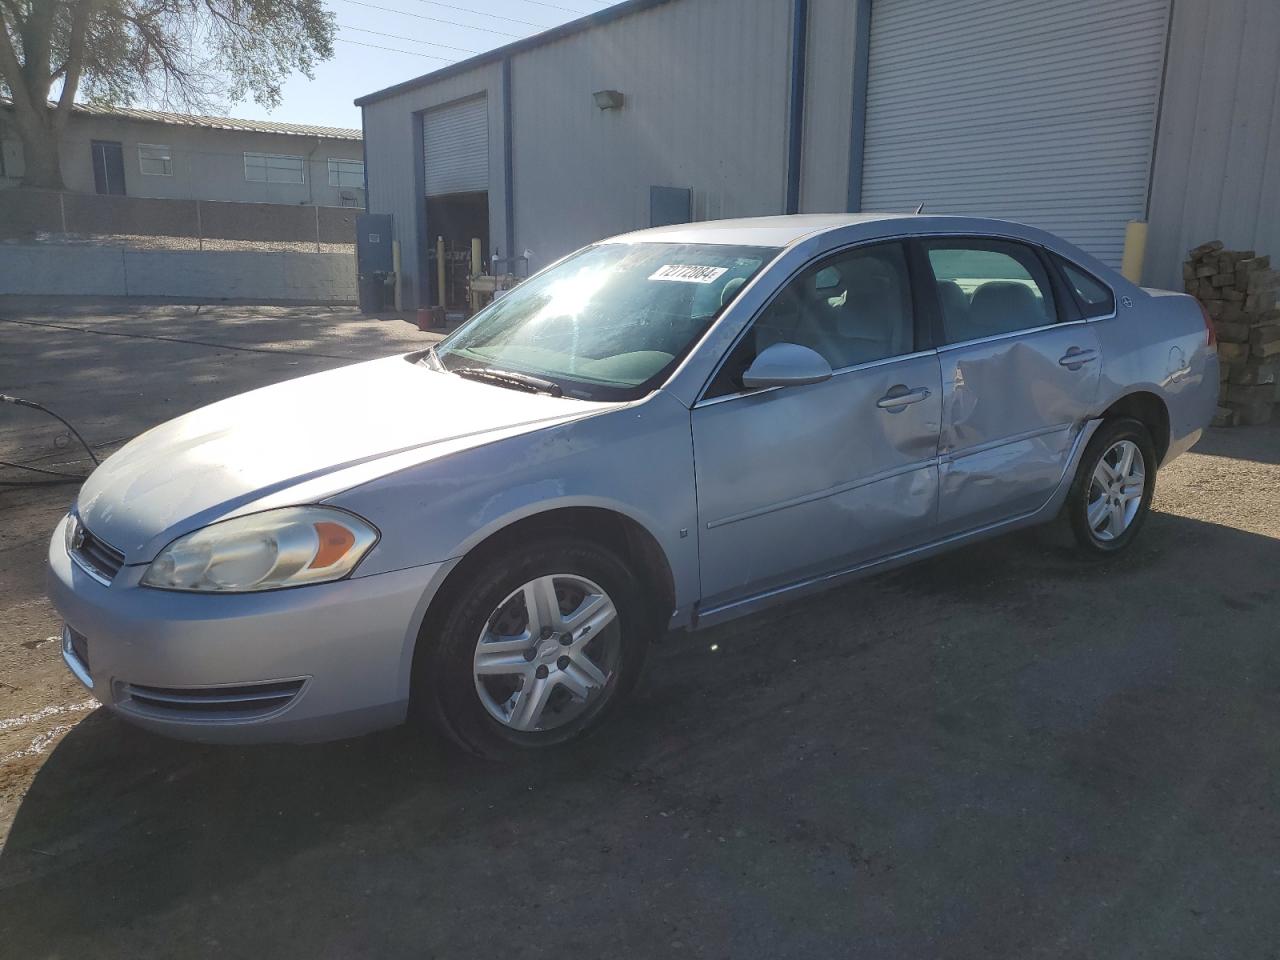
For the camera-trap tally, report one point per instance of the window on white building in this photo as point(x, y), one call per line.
point(273, 168)
point(155, 159)
point(346, 173)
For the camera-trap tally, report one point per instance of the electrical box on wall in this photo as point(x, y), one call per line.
point(373, 243)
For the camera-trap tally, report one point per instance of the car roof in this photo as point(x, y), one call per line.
point(785, 231)
point(753, 231)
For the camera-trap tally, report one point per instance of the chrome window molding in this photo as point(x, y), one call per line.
point(1011, 334)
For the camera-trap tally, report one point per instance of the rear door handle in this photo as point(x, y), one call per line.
point(894, 398)
point(1076, 358)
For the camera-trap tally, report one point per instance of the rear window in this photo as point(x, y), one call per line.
point(1096, 298)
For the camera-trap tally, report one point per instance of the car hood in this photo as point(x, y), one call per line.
point(298, 442)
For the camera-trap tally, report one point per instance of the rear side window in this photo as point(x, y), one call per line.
point(987, 288)
point(1096, 298)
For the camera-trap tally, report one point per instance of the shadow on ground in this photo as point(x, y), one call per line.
point(1003, 752)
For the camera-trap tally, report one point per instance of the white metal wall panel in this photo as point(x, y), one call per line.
point(1031, 110)
point(456, 148)
point(1217, 174)
point(706, 85)
point(395, 154)
point(828, 109)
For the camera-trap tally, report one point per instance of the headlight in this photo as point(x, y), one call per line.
point(264, 551)
point(71, 532)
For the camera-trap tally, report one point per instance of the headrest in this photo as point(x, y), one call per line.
point(1002, 305)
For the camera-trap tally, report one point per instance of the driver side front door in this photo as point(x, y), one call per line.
point(802, 481)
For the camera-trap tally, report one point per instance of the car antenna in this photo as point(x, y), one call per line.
point(920, 208)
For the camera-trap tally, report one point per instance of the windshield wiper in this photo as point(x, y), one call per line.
point(509, 378)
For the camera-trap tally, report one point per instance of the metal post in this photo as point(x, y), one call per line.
point(795, 122)
point(199, 227)
point(858, 126)
point(440, 272)
point(317, 209)
point(395, 266)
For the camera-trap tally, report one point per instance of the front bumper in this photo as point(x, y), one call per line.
point(311, 663)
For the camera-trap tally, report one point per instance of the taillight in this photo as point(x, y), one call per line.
point(1210, 332)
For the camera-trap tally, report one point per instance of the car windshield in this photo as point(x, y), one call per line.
point(608, 323)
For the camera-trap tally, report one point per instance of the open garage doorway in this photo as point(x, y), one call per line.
point(455, 154)
point(459, 218)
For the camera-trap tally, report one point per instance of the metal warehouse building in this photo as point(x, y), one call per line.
point(1077, 117)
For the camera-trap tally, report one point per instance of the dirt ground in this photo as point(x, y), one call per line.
point(1002, 752)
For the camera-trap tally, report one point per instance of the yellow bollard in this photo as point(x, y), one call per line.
point(1135, 250)
point(440, 272)
point(395, 268)
point(477, 268)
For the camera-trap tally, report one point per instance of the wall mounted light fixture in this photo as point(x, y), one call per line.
point(609, 99)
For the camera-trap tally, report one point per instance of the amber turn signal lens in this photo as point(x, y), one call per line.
point(335, 541)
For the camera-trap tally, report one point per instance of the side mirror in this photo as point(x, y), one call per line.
point(786, 365)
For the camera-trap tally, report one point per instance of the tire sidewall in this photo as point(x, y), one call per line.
point(444, 679)
point(1108, 435)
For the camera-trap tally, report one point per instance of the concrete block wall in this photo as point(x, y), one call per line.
point(181, 275)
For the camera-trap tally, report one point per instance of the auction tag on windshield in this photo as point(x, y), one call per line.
point(686, 273)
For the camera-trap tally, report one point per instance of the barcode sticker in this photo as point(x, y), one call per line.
point(687, 273)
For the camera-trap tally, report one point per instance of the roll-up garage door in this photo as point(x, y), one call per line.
point(1041, 111)
point(456, 148)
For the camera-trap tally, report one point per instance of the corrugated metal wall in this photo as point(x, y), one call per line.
point(394, 158)
point(824, 181)
point(1217, 169)
point(1039, 111)
point(706, 107)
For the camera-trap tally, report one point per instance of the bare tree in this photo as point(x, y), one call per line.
point(189, 54)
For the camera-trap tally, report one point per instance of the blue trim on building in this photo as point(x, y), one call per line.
point(508, 166)
point(420, 212)
point(364, 160)
point(795, 119)
point(858, 127)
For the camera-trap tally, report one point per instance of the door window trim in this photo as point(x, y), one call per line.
point(1046, 256)
point(1059, 262)
point(919, 334)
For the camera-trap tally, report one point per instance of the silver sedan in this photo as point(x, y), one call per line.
point(664, 430)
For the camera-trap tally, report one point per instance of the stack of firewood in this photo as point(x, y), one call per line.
point(1238, 290)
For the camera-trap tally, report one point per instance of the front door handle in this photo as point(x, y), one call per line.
point(1075, 358)
point(900, 396)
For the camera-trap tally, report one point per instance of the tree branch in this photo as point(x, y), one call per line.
point(74, 63)
point(11, 70)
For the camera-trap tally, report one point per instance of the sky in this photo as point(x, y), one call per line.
point(384, 42)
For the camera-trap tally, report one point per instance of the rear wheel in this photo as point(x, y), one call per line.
point(1111, 494)
point(534, 650)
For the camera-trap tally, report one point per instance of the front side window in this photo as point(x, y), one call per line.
point(989, 287)
point(155, 159)
point(852, 308)
point(346, 173)
point(610, 322)
point(1096, 298)
point(272, 168)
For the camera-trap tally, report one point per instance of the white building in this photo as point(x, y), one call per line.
point(151, 153)
point(1077, 117)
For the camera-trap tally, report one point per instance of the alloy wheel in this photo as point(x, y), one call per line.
point(1115, 490)
point(548, 654)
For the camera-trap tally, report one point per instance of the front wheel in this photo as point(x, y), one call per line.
point(1111, 494)
point(534, 649)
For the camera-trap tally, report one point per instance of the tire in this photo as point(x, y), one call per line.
point(1115, 522)
point(485, 624)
